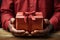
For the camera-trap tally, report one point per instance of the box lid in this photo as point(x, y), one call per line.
point(38, 15)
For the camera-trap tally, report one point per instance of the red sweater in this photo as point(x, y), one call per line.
point(26, 5)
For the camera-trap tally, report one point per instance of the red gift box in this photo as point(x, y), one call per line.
point(34, 22)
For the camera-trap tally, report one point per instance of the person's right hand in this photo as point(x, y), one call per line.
point(14, 31)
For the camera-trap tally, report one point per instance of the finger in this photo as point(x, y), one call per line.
point(34, 32)
point(19, 34)
point(37, 31)
point(20, 31)
point(12, 20)
point(11, 28)
point(46, 21)
point(27, 32)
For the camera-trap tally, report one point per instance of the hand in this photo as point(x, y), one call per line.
point(46, 31)
point(13, 30)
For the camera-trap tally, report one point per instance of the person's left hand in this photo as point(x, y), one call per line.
point(45, 31)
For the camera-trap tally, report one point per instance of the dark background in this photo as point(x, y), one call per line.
point(0, 12)
point(0, 2)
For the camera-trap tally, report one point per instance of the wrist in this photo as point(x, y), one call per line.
point(49, 28)
point(6, 25)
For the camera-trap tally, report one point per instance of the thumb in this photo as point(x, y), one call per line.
point(12, 20)
point(46, 21)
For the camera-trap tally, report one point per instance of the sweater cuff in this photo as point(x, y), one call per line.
point(54, 22)
point(6, 25)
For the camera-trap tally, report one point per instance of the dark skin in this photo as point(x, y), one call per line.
point(42, 32)
point(14, 31)
point(23, 32)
